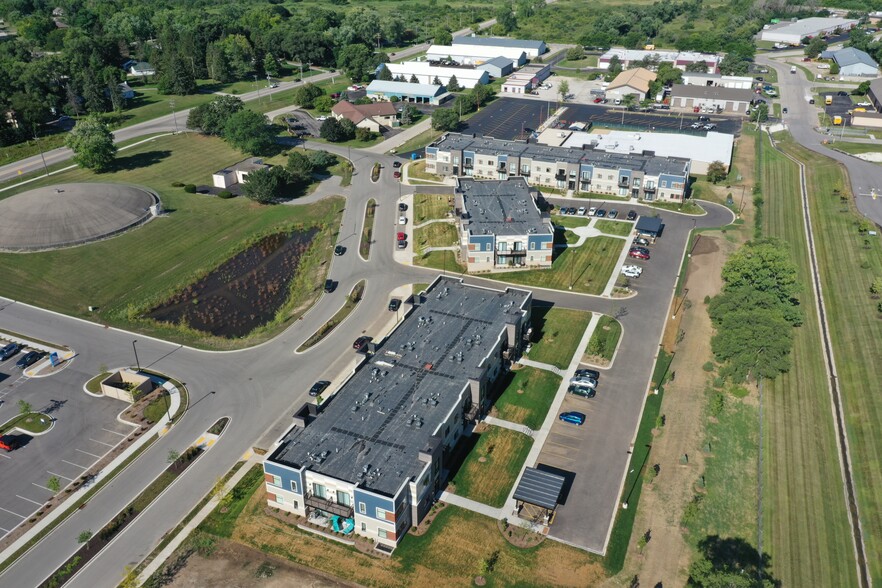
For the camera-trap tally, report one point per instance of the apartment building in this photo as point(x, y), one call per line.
point(642, 175)
point(372, 460)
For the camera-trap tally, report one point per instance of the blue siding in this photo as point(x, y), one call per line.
point(286, 474)
point(671, 178)
point(432, 150)
point(372, 502)
point(481, 241)
point(538, 240)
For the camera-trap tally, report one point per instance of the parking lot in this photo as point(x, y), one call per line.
point(513, 118)
point(840, 106)
point(84, 429)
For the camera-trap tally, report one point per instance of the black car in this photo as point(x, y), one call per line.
point(582, 391)
point(586, 373)
point(402, 206)
point(394, 304)
point(600, 213)
point(842, 93)
point(361, 342)
point(330, 286)
point(632, 215)
point(9, 350)
point(319, 387)
point(402, 244)
point(28, 359)
point(339, 250)
point(396, 164)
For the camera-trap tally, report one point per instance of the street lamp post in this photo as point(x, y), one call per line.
point(174, 114)
point(135, 349)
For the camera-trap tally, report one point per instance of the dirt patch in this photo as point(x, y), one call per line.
point(242, 293)
point(237, 566)
point(665, 559)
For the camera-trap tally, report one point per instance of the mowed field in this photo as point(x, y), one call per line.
point(848, 264)
point(805, 523)
point(149, 263)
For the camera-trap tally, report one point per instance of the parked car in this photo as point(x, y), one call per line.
point(28, 359)
point(339, 250)
point(642, 241)
point(632, 215)
point(598, 100)
point(400, 236)
point(589, 373)
point(584, 381)
point(842, 93)
point(572, 417)
point(318, 387)
point(696, 125)
point(402, 220)
point(630, 272)
point(402, 206)
point(396, 174)
point(396, 164)
point(632, 267)
point(637, 254)
point(402, 244)
point(600, 212)
point(322, 118)
point(9, 350)
point(710, 127)
point(394, 304)
point(581, 211)
point(592, 211)
point(330, 286)
point(613, 213)
point(571, 210)
point(361, 342)
point(703, 119)
point(582, 391)
point(9, 442)
point(640, 249)
point(784, 110)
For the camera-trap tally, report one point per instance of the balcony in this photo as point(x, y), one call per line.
point(560, 175)
point(341, 510)
point(525, 173)
point(624, 181)
point(649, 188)
point(512, 253)
point(467, 164)
point(500, 167)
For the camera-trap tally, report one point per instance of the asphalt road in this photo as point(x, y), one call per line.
point(802, 122)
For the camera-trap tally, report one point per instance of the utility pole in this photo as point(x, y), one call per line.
point(379, 36)
point(40, 147)
point(258, 88)
point(174, 114)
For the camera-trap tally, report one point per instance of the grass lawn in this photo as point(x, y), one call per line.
point(848, 262)
point(32, 422)
point(527, 396)
point(441, 234)
point(614, 227)
point(222, 523)
point(586, 268)
point(148, 104)
point(417, 170)
point(94, 385)
point(286, 97)
point(158, 408)
point(604, 339)
point(352, 301)
point(430, 207)
point(490, 469)
point(805, 523)
point(587, 61)
point(418, 142)
point(855, 148)
point(199, 233)
point(557, 332)
point(570, 222)
point(419, 287)
point(18, 151)
point(440, 260)
point(367, 229)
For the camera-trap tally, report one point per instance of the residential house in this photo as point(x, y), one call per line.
point(634, 82)
point(375, 117)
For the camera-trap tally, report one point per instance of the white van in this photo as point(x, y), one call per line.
point(617, 101)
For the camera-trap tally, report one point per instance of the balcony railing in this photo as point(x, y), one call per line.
point(335, 508)
point(560, 175)
point(512, 252)
point(649, 188)
point(467, 165)
point(624, 182)
point(525, 173)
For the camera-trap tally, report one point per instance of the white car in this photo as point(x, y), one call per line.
point(630, 273)
point(581, 211)
point(632, 268)
point(402, 220)
point(861, 104)
point(592, 211)
point(322, 118)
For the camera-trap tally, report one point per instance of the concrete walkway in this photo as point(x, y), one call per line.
point(434, 220)
point(447, 248)
point(541, 366)
point(517, 427)
point(166, 552)
point(611, 284)
point(402, 137)
point(472, 505)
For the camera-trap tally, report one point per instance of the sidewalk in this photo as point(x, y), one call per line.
point(166, 552)
point(472, 505)
point(516, 427)
point(402, 137)
point(542, 366)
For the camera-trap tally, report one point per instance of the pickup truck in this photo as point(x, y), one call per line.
point(9, 442)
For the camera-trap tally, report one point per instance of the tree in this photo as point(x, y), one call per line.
point(363, 134)
point(734, 65)
point(453, 84)
point(384, 74)
point(413, 79)
point(506, 19)
point(84, 537)
point(324, 103)
point(445, 119)
point(764, 265)
point(271, 65)
point(443, 37)
point(172, 456)
point(53, 484)
point(218, 64)
point(305, 95)
point(92, 144)
point(696, 67)
point(330, 130)
point(729, 563)
point(575, 53)
point(760, 113)
point(265, 185)
point(24, 407)
point(481, 94)
point(299, 167)
point(862, 89)
point(815, 47)
point(753, 342)
point(876, 287)
point(436, 81)
point(249, 132)
point(355, 61)
point(615, 67)
point(563, 88)
point(222, 494)
point(716, 171)
point(211, 118)
point(321, 160)
point(176, 77)
point(834, 69)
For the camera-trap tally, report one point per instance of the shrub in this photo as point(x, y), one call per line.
point(718, 403)
point(177, 184)
point(225, 194)
point(190, 189)
point(708, 366)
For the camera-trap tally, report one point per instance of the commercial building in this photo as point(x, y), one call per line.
point(374, 117)
point(634, 82)
point(475, 54)
point(497, 67)
point(700, 150)
point(715, 79)
point(236, 173)
point(680, 59)
point(874, 94)
point(531, 48)
point(501, 225)
point(870, 120)
point(792, 32)
point(853, 62)
point(637, 175)
point(711, 98)
point(372, 460)
point(526, 79)
point(405, 91)
point(427, 73)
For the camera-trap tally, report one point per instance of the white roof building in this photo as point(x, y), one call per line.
point(680, 59)
point(475, 54)
point(531, 48)
point(426, 73)
point(793, 32)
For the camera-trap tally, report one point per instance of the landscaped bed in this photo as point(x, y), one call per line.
point(556, 334)
point(603, 342)
point(527, 395)
point(244, 292)
point(30, 422)
point(489, 470)
point(367, 230)
point(351, 301)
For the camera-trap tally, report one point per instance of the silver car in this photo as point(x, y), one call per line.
point(583, 381)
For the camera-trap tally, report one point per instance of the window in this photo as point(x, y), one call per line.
point(277, 481)
point(362, 509)
point(319, 490)
point(501, 246)
point(280, 499)
point(488, 247)
point(480, 162)
point(381, 513)
point(664, 184)
point(363, 527)
point(525, 169)
point(636, 183)
point(532, 244)
point(343, 498)
point(382, 533)
point(586, 175)
point(293, 486)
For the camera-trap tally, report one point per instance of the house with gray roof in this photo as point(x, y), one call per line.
point(497, 67)
point(373, 458)
point(853, 62)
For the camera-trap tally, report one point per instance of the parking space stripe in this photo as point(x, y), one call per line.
point(114, 432)
point(60, 476)
point(13, 513)
point(6, 456)
point(41, 487)
point(101, 442)
point(87, 453)
point(29, 500)
point(5, 530)
point(74, 464)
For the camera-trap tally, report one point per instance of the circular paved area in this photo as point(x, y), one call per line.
point(70, 214)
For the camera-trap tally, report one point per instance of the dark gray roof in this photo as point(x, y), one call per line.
point(649, 224)
point(372, 431)
point(502, 207)
point(498, 42)
point(712, 92)
point(540, 488)
point(851, 56)
point(498, 62)
point(649, 164)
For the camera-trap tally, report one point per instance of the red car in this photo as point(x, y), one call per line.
point(637, 254)
point(361, 342)
point(396, 175)
point(9, 442)
point(401, 236)
point(598, 100)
